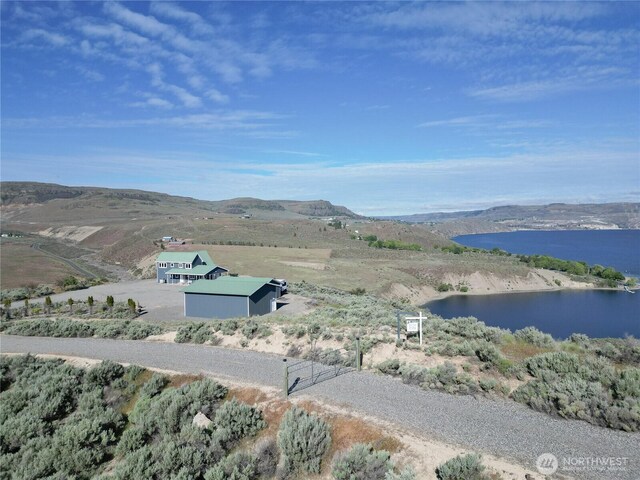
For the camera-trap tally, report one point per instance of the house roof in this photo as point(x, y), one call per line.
point(180, 257)
point(197, 270)
point(186, 257)
point(239, 286)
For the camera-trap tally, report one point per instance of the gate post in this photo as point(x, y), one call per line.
point(358, 359)
point(286, 378)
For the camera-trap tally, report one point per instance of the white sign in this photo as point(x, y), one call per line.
point(412, 326)
point(419, 329)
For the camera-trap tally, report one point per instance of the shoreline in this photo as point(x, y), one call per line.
point(444, 295)
point(538, 281)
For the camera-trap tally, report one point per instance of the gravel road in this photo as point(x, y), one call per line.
point(501, 428)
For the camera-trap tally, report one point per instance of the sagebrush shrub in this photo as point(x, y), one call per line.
point(390, 367)
point(468, 467)
point(303, 440)
point(238, 420)
point(362, 462)
point(238, 466)
point(535, 337)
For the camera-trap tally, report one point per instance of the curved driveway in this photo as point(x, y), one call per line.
point(501, 428)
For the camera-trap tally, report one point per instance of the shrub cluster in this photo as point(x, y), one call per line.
point(194, 333)
point(587, 388)
point(15, 294)
point(54, 419)
point(340, 308)
point(62, 327)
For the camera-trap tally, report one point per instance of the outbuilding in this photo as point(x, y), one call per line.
point(227, 297)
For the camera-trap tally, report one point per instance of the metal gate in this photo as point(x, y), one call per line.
point(319, 366)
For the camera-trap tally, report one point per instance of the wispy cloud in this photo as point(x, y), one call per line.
point(466, 121)
point(296, 153)
point(51, 38)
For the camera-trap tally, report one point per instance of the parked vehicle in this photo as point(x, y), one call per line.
point(284, 288)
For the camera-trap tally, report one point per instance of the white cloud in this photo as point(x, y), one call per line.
point(90, 74)
point(216, 96)
point(54, 39)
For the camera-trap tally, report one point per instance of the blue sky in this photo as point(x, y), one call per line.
point(387, 108)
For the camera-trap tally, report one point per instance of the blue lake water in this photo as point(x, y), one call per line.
point(597, 313)
point(619, 249)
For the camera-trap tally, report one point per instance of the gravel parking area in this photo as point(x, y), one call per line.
point(502, 428)
point(162, 302)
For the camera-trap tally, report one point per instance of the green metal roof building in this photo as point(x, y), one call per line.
point(228, 297)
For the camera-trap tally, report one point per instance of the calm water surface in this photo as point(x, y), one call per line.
point(619, 249)
point(597, 313)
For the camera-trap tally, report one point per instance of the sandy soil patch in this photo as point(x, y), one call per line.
point(163, 337)
point(70, 232)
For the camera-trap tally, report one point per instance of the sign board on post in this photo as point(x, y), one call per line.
point(412, 326)
point(411, 321)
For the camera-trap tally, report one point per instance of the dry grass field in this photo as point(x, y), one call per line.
point(21, 265)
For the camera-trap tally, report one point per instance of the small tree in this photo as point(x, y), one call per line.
point(132, 305)
point(26, 307)
point(7, 307)
point(110, 303)
point(70, 302)
point(90, 302)
point(48, 303)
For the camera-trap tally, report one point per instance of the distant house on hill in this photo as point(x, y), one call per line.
point(186, 267)
point(229, 297)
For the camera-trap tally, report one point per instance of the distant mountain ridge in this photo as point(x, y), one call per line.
point(552, 216)
point(27, 193)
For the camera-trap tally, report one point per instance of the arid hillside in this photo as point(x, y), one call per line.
point(52, 231)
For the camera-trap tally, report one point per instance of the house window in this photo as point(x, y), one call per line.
point(181, 265)
point(172, 265)
point(187, 265)
point(162, 265)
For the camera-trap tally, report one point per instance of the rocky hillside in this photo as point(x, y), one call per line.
point(547, 217)
point(56, 199)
